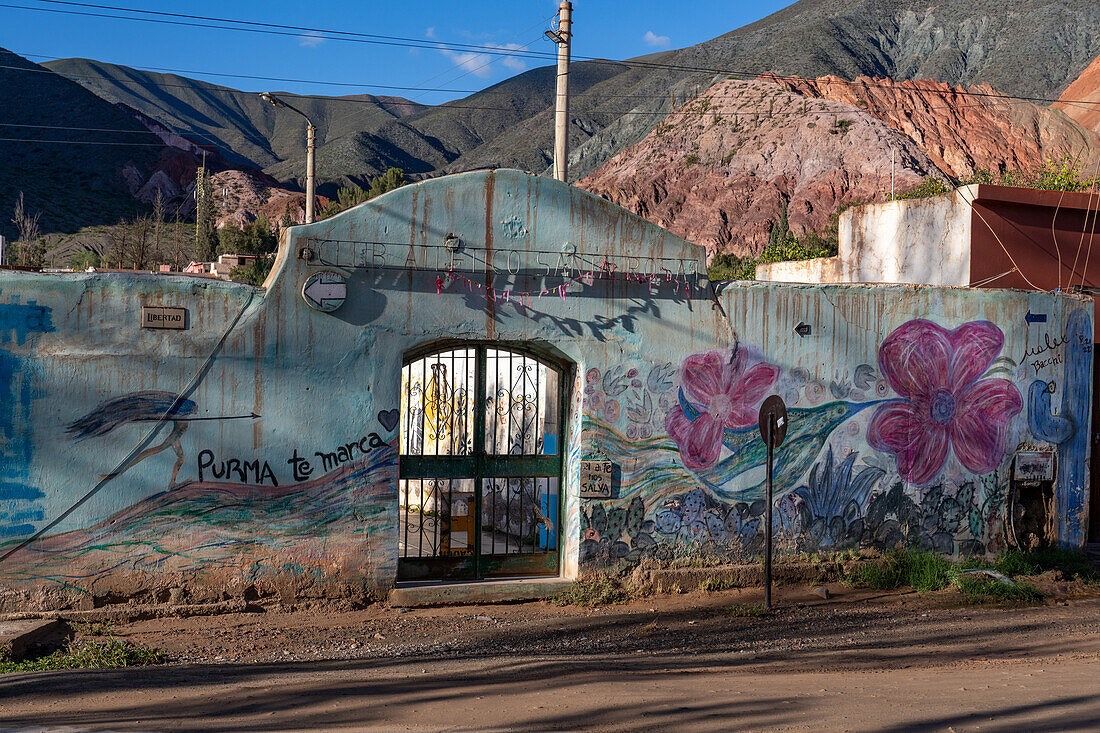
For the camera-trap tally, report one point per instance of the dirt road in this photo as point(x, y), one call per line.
point(684, 663)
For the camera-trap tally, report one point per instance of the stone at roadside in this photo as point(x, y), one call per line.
point(821, 591)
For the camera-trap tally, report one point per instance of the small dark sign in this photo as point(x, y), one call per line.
point(153, 316)
point(597, 479)
point(773, 405)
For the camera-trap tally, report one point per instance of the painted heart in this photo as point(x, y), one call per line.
point(388, 419)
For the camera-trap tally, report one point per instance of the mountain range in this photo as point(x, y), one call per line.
point(1029, 48)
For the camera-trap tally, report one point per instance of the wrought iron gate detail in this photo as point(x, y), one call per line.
point(481, 435)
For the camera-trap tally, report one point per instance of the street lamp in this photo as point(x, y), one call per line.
point(310, 136)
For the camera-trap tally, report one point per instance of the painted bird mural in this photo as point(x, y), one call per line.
point(148, 406)
point(809, 429)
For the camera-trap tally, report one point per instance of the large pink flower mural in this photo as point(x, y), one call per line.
point(944, 404)
point(726, 391)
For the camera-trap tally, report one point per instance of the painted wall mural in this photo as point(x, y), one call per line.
point(258, 445)
point(914, 451)
point(20, 325)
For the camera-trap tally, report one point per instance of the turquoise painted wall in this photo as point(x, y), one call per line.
point(174, 463)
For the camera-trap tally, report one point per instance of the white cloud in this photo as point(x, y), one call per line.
point(481, 64)
point(652, 39)
point(311, 39)
point(430, 32)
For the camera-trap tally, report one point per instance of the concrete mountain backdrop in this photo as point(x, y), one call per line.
point(1031, 48)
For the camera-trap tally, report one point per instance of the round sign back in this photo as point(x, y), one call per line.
point(773, 406)
point(325, 291)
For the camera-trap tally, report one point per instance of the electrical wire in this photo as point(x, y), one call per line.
point(275, 29)
point(78, 142)
point(1085, 225)
point(1011, 259)
point(683, 111)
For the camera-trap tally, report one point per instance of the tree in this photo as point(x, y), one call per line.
point(118, 240)
point(388, 181)
point(254, 238)
point(158, 221)
point(31, 252)
point(254, 275)
point(349, 196)
point(141, 227)
point(83, 260)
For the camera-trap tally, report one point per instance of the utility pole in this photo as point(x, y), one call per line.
point(311, 134)
point(563, 37)
point(893, 151)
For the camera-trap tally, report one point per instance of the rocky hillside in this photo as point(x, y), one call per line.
point(962, 130)
point(1081, 99)
point(65, 149)
point(720, 170)
point(717, 174)
point(1025, 47)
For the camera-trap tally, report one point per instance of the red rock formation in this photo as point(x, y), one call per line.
point(244, 196)
point(1081, 100)
point(962, 130)
point(719, 170)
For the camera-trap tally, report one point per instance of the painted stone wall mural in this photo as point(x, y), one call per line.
point(915, 450)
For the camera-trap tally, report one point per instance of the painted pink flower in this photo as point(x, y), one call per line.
point(944, 403)
point(727, 393)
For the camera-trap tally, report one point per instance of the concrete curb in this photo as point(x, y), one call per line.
point(16, 637)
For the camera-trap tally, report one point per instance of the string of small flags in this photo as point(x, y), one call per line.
point(606, 271)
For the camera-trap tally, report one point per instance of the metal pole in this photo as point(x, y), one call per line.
point(2, 243)
point(310, 182)
point(892, 152)
point(561, 116)
point(768, 519)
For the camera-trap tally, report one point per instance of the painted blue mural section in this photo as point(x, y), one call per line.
point(19, 509)
point(258, 448)
point(1067, 428)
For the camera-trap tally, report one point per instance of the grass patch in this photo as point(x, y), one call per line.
point(717, 583)
point(747, 610)
point(98, 654)
point(923, 571)
point(92, 628)
point(987, 590)
point(1073, 564)
point(594, 590)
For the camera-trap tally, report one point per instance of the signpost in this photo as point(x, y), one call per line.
point(773, 429)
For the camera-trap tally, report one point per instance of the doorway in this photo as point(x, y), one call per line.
point(481, 439)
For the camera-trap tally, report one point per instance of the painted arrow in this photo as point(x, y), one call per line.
point(320, 291)
point(1035, 317)
point(250, 416)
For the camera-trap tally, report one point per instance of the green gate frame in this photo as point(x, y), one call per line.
point(481, 466)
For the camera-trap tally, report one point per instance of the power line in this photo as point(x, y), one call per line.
point(274, 29)
point(240, 76)
point(325, 31)
point(294, 33)
point(683, 110)
point(86, 129)
point(77, 142)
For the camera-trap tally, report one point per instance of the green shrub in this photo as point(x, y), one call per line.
point(90, 655)
point(593, 590)
point(1017, 562)
point(747, 610)
point(928, 187)
point(977, 589)
point(919, 570)
point(691, 159)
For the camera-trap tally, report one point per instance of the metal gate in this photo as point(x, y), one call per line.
point(481, 464)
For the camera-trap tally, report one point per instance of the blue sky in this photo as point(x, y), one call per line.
point(603, 28)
